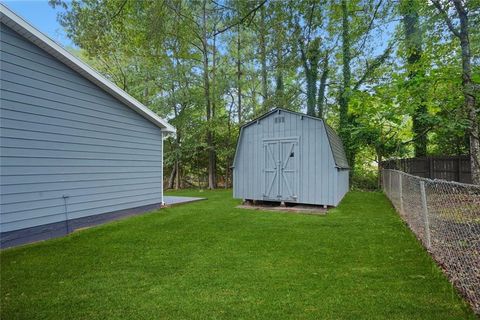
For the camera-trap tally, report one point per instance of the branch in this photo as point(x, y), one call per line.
point(447, 19)
point(253, 11)
point(462, 16)
point(194, 31)
point(417, 137)
point(223, 5)
point(370, 24)
point(180, 14)
point(377, 62)
point(119, 10)
point(310, 18)
point(304, 57)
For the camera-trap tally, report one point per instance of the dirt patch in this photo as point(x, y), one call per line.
point(295, 209)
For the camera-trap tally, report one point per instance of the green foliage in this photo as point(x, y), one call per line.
point(365, 180)
point(165, 54)
point(211, 260)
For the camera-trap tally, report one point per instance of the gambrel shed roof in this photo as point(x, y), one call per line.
point(337, 148)
point(336, 144)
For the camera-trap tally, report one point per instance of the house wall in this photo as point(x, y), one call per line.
point(62, 135)
point(317, 176)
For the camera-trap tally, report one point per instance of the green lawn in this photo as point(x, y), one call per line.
point(208, 260)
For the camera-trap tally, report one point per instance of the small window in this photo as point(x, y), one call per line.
point(279, 119)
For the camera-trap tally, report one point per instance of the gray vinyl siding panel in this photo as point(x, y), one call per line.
point(318, 180)
point(26, 89)
point(86, 109)
point(63, 135)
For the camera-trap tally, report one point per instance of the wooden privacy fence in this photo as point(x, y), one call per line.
point(450, 168)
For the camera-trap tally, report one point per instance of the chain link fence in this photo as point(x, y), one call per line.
point(445, 216)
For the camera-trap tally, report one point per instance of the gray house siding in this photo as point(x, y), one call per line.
point(318, 181)
point(61, 135)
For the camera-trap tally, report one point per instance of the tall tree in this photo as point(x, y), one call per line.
point(310, 60)
point(309, 19)
point(354, 41)
point(278, 20)
point(263, 57)
point(413, 49)
point(469, 87)
point(239, 75)
point(345, 90)
point(208, 66)
point(212, 166)
point(279, 86)
point(322, 87)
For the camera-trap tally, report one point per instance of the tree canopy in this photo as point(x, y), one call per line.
point(395, 78)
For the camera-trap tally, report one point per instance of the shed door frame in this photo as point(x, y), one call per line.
point(281, 169)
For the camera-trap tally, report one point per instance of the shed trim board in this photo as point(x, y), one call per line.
point(18, 24)
point(286, 156)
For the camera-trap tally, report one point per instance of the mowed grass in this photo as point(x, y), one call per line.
point(208, 260)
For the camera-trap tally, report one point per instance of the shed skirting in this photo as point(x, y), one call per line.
point(59, 229)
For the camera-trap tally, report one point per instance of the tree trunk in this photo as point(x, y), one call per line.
point(380, 167)
point(469, 93)
point(345, 90)
point(171, 179)
point(263, 58)
point(420, 130)
point(213, 91)
point(174, 179)
point(468, 87)
point(279, 76)
point(177, 163)
point(322, 87)
point(206, 83)
point(413, 44)
point(178, 184)
point(239, 78)
point(310, 67)
point(311, 93)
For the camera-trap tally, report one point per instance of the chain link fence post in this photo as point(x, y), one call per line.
point(400, 191)
point(425, 214)
point(390, 183)
point(383, 180)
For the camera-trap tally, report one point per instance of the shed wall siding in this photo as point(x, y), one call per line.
point(343, 184)
point(63, 135)
point(317, 168)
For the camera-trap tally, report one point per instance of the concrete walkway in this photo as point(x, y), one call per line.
point(174, 200)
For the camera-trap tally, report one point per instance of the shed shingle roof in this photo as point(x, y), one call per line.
point(337, 148)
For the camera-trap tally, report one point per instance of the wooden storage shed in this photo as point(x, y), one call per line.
point(286, 156)
point(75, 149)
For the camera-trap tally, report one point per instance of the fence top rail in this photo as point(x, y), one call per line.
point(427, 180)
point(463, 157)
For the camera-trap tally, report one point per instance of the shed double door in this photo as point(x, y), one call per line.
point(281, 172)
